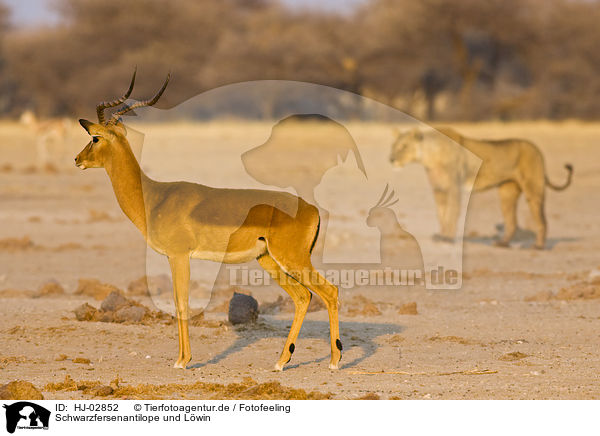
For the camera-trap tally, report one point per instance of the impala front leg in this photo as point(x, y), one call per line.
point(180, 272)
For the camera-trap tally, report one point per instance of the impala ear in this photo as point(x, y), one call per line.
point(86, 124)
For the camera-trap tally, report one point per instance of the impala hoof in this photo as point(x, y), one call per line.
point(182, 363)
point(278, 367)
point(333, 366)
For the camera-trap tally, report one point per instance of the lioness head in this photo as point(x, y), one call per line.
point(407, 148)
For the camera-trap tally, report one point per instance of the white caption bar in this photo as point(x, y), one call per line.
point(294, 417)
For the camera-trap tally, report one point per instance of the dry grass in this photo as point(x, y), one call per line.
point(584, 290)
point(16, 244)
point(248, 389)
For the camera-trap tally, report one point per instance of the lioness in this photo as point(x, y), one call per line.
point(512, 165)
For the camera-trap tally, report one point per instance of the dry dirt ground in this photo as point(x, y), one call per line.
point(525, 325)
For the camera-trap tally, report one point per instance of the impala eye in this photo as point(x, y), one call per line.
point(94, 139)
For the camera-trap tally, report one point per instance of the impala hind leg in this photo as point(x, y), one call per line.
point(329, 293)
point(180, 271)
point(301, 297)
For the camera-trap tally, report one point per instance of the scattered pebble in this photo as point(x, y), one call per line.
point(130, 314)
point(286, 304)
point(85, 312)
point(113, 302)
point(360, 305)
point(94, 288)
point(101, 391)
point(151, 285)
point(408, 309)
point(515, 355)
point(50, 289)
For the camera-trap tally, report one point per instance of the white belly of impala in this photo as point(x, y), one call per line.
point(241, 256)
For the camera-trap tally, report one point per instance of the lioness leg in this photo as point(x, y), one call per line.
point(447, 209)
point(452, 209)
point(535, 199)
point(509, 195)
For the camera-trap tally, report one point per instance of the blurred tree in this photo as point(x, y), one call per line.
point(285, 45)
point(436, 46)
point(566, 64)
point(438, 59)
point(6, 85)
point(91, 55)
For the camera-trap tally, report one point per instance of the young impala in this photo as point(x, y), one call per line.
point(184, 220)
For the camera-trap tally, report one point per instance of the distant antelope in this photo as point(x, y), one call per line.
point(186, 220)
point(48, 133)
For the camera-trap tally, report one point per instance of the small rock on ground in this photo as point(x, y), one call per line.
point(20, 390)
point(242, 309)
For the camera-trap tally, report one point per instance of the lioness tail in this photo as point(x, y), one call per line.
point(569, 168)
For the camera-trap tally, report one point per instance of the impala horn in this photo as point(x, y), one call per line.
point(108, 104)
point(144, 103)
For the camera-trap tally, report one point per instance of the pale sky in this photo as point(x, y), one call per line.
point(30, 12)
point(36, 12)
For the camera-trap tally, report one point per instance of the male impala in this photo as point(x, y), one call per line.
point(186, 220)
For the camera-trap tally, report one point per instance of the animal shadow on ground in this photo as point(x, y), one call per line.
point(269, 327)
point(524, 238)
